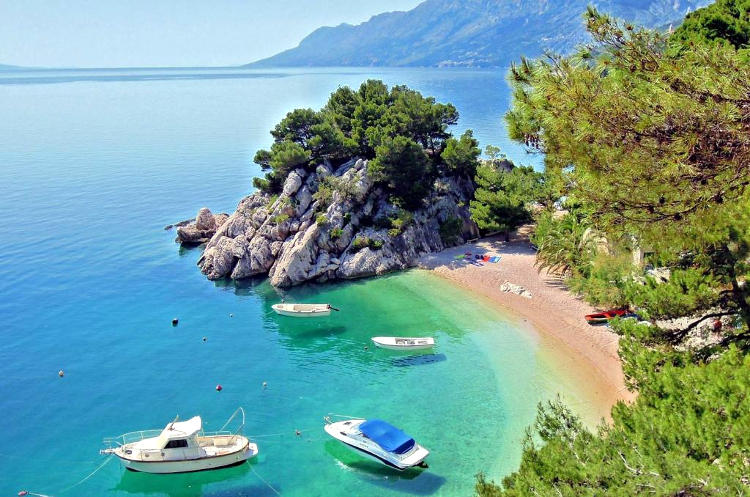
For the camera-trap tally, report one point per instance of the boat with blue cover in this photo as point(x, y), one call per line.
point(378, 440)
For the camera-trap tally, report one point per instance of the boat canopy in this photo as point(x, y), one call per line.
point(185, 428)
point(387, 436)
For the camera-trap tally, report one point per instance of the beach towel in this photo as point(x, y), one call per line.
point(459, 257)
point(486, 258)
point(495, 259)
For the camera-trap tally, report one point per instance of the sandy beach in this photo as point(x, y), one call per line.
point(553, 312)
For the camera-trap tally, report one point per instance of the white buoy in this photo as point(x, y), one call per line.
point(61, 373)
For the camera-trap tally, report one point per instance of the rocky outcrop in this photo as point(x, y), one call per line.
point(201, 229)
point(328, 225)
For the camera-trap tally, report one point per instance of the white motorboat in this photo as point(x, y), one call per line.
point(404, 343)
point(303, 310)
point(182, 447)
point(380, 441)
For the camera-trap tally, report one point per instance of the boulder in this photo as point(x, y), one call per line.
point(205, 220)
point(282, 238)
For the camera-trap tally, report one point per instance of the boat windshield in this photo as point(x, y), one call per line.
point(387, 436)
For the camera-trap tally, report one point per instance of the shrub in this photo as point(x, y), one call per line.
point(347, 217)
point(321, 220)
point(336, 233)
point(394, 232)
point(280, 218)
point(262, 184)
point(375, 244)
point(360, 242)
point(403, 220)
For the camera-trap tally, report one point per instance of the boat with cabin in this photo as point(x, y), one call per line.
point(303, 310)
point(378, 440)
point(182, 447)
point(404, 343)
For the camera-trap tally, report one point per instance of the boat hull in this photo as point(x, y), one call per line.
point(302, 315)
point(302, 310)
point(191, 465)
point(416, 458)
point(393, 343)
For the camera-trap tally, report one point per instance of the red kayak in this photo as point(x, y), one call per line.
point(603, 317)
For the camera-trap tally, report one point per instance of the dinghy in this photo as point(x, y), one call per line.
point(182, 447)
point(404, 343)
point(303, 310)
point(378, 440)
point(603, 317)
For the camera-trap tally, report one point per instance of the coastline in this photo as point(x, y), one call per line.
point(586, 353)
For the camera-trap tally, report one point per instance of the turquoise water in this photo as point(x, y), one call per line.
point(92, 166)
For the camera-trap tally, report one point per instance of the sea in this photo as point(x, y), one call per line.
point(93, 165)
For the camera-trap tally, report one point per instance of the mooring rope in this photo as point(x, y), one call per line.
point(89, 476)
point(263, 479)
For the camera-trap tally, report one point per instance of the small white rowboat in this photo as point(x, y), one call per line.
point(404, 343)
point(302, 310)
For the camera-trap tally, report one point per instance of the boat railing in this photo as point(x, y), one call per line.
point(133, 436)
point(236, 432)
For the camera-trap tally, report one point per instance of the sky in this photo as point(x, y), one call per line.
point(143, 33)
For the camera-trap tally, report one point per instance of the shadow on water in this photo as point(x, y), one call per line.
point(184, 484)
point(418, 360)
point(416, 481)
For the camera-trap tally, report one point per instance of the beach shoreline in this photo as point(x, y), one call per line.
point(588, 353)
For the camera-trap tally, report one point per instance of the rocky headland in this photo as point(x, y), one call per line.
point(329, 224)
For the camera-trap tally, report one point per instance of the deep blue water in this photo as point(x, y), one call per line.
point(92, 166)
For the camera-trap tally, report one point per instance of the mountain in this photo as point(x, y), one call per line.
point(469, 33)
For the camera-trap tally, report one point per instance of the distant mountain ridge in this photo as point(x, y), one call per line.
point(467, 33)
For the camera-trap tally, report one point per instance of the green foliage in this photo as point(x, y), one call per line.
point(493, 153)
point(402, 130)
point(450, 230)
point(501, 198)
point(375, 244)
point(402, 166)
point(336, 233)
point(262, 184)
point(722, 22)
point(347, 217)
point(655, 145)
point(686, 292)
point(321, 220)
point(460, 156)
point(686, 434)
point(603, 283)
point(280, 218)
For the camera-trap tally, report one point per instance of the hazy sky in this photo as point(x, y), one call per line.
point(117, 33)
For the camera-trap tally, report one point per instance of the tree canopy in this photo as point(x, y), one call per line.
point(723, 22)
point(404, 134)
point(652, 135)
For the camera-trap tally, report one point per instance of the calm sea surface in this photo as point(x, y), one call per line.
point(93, 164)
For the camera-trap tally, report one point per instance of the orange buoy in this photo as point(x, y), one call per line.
point(219, 388)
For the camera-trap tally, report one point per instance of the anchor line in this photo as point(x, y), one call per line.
point(89, 476)
point(263, 479)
